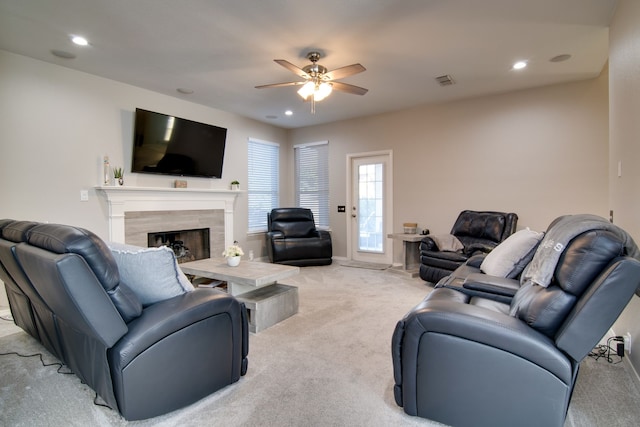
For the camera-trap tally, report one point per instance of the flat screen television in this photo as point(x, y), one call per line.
point(169, 145)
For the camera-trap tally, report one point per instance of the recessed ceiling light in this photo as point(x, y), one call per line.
point(288, 113)
point(185, 90)
point(519, 65)
point(79, 40)
point(560, 58)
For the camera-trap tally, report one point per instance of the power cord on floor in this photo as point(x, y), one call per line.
point(606, 351)
point(59, 371)
point(58, 364)
point(7, 319)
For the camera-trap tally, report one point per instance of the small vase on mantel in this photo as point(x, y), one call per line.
point(118, 177)
point(233, 261)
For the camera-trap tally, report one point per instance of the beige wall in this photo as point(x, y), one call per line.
point(540, 153)
point(56, 124)
point(624, 113)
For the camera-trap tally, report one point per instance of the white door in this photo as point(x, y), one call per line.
point(370, 209)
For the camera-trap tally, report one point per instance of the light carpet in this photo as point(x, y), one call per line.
point(366, 265)
point(329, 365)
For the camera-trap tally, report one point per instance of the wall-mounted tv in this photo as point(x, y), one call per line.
point(169, 145)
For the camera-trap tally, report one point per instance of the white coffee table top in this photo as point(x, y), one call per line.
point(251, 273)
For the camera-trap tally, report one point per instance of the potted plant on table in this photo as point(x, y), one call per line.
point(235, 185)
point(233, 254)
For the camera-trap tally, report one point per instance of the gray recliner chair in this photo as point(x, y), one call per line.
point(464, 360)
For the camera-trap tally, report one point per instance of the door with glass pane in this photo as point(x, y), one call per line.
point(370, 208)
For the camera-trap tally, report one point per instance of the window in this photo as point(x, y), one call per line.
point(312, 179)
point(263, 183)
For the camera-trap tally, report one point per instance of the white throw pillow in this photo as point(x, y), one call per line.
point(152, 274)
point(509, 254)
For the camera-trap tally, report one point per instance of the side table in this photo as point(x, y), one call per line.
point(410, 253)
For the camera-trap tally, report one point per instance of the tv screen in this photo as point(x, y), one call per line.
point(170, 145)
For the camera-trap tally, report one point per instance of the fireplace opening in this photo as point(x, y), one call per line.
point(188, 245)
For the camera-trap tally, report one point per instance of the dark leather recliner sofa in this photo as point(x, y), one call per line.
point(478, 231)
point(292, 238)
point(466, 360)
point(64, 289)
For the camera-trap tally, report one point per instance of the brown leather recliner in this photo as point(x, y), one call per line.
point(478, 231)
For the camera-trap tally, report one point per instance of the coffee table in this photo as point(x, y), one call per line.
point(256, 284)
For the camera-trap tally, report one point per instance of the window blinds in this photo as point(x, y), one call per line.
point(312, 179)
point(263, 184)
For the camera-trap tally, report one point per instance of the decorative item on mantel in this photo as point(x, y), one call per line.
point(235, 185)
point(180, 183)
point(105, 170)
point(233, 254)
point(410, 227)
point(118, 176)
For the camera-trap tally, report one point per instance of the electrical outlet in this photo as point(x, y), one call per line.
point(84, 195)
point(627, 342)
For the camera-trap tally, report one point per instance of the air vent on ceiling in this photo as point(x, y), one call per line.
point(445, 80)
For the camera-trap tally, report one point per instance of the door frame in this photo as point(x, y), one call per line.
point(387, 256)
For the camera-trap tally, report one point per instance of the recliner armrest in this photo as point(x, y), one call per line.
point(473, 248)
point(169, 316)
point(490, 288)
point(324, 234)
point(476, 260)
point(427, 244)
point(491, 284)
point(275, 235)
point(443, 313)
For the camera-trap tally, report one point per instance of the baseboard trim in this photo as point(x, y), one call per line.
point(631, 370)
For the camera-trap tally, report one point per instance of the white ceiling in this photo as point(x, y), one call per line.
point(221, 49)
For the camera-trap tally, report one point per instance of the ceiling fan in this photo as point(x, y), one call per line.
point(318, 81)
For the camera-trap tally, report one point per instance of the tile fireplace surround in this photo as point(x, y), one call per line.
point(159, 202)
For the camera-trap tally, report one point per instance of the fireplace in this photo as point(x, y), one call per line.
point(136, 211)
point(196, 229)
point(188, 245)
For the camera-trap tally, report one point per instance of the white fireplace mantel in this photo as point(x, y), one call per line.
point(140, 199)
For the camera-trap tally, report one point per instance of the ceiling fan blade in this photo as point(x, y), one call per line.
point(344, 87)
point(280, 85)
point(289, 66)
point(343, 72)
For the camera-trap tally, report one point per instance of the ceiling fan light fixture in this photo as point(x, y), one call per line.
point(318, 81)
point(322, 91)
point(318, 91)
point(307, 90)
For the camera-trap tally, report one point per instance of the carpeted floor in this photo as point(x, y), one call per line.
point(367, 265)
point(329, 365)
